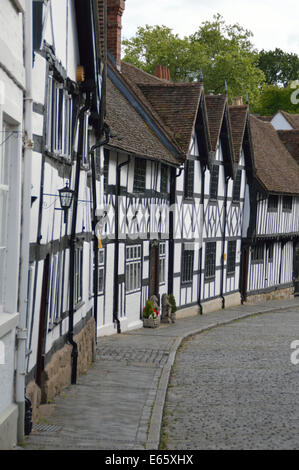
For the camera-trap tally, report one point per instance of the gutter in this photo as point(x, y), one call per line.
point(25, 241)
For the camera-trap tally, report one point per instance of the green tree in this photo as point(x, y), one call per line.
point(274, 98)
point(279, 67)
point(222, 52)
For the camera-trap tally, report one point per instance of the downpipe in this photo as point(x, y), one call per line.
point(25, 240)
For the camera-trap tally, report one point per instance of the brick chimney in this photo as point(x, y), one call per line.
point(115, 9)
point(162, 72)
point(237, 101)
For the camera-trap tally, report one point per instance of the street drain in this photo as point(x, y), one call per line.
point(46, 427)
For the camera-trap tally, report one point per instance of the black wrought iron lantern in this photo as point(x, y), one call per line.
point(66, 198)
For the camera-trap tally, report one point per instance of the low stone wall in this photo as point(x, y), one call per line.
point(57, 373)
point(278, 294)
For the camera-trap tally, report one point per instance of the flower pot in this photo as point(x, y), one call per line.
point(151, 322)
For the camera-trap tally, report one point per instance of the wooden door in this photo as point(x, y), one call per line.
point(154, 270)
point(244, 273)
point(296, 268)
point(43, 322)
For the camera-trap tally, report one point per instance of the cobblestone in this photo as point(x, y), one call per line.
point(235, 387)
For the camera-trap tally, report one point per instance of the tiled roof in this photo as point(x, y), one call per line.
point(265, 118)
point(136, 75)
point(275, 167)
point(293, 119)
point(238, 118)
point(215, 110)
point(291, 141)
point(133, 134)
point(177, 105)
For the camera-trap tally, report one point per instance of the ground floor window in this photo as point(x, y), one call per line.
point(78, 288)
point(210, 261)
point(133, 268)
point(257, 253)
point(101, 271)
point(231, 257)
point(162, 262)
point(188, 263)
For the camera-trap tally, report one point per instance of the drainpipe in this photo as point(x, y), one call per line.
point(223, 243)
point(173, 176)
point(73, 245)
point(25, 240)
point(116, 254)
point(94, 222)
point(202, 201)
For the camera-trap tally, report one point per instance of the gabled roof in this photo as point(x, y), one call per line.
point(293, 119)
point(215, 110)
point(291, 142)
point(238, 118)
point(265, 118)
point(177, 105)
point(133, 134)
point(276, 169)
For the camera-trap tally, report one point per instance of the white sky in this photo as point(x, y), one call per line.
point(274, 23)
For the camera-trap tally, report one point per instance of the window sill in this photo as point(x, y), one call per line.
point(210, 279)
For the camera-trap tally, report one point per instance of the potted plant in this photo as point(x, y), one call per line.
point(150, 315)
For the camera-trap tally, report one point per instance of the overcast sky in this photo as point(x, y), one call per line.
point(274, 23)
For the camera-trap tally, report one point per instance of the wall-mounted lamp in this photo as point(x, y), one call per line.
point(66, 198)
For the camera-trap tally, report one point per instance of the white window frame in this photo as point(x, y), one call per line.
point(133, 268)
point(162, 262)
point(4, 191)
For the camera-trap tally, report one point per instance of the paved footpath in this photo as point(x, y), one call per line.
point(118, 404)
point(235, 387)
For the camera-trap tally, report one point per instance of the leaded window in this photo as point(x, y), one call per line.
point(78, 281)
point(101, 271)
point(133, 268)
point(272, 203)
point(231, 257)
point(187, 263)
point(162, 262)
point(214, 182)
point(257, 253)
point(106, 169)
point(270, 252)
point(139, 175)
point(164, 179)
point(210, 260)
point(189, 179)
point(287, 203)
point(237, 186)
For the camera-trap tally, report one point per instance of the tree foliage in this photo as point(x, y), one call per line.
point(222, 52)
point(274, 98)
point(279, 67)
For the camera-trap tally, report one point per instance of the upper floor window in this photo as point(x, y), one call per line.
point(106, 169)
point(287, 203)
point(237, 186)
point(164, 179)
point(139, 175)
point(59, 110)
point(214, 182)
point(189, 179)
point(272, 203)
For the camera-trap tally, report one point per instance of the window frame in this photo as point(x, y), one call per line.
point(257, 253)
point(236, 194)
point(287, 203)
point(214, 182)
point(231, 257)
point(272, 203)
point(139, 183)
point(133, 263)
point(189, 180)
point(162, 263)
point(187, 264)
point(210, 261)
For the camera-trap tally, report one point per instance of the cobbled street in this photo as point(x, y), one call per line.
point(234, 387)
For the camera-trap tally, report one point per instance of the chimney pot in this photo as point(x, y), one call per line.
point(237, 101)
point(162, 72)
